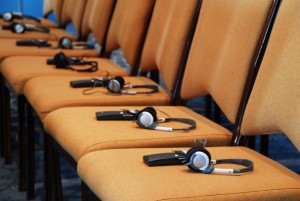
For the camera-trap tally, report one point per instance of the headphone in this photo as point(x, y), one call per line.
point(198, 159)
point(67, 43)
point(61, 61)
point(117, 85)
point(147, 119)
point(20, 28)
point(10, 16)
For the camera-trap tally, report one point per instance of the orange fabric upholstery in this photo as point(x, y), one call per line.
point(73, 12)
point(31, 91)
point(222, 62)
point(121, 175)
point(81, 134)
point(124, 21)
point(101, 11)
point(32, 66)
point(45, 99)
point(274, 103)
point(57, 6)
point(159, 53)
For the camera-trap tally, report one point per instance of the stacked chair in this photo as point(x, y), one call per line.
point(79, 135)
point(70, 12)
point(213, 47)
point(98, 23)
point(50, 7)
point(120, 174)
point(156, 37)
point(13, 68)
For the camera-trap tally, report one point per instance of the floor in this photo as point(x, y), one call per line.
point(280, 150)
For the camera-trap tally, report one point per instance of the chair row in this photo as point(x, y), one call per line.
point(196, 53)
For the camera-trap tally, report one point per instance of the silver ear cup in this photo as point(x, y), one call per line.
point(146, 119)
point(114, 86)
point(200, 160)
point(7, 17)
point(19, 28)
point(66, 43)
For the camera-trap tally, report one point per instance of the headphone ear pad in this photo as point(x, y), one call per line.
point(146, 117)
point(190, 155)
point(60, 60)
point(65, 43)
point(116, 84)
point(18, 28)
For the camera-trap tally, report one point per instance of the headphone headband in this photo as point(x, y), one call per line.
point(117, 85)
point(243, 162)
point(60, 60)
point(10, 16)
point(147, 119)
point(198, 159)
point(21, 28)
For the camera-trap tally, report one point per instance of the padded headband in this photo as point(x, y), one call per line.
point(199, 159)
point(10, 16)
point(147, 119)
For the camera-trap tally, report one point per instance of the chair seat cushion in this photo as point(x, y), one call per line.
point(18, 70)
point(8, 48)
point(55, 34)
point(78, 132)
point(46, 94)
point(122, 175)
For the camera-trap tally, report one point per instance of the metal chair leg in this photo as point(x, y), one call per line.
point(21, 143)
point(47, 169)
point(6, 125)
point(30, 151)
point(56, 184)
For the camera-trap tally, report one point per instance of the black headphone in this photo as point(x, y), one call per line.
point(147, 119)
point(199, 159)
point(117, 85)
point(20, 28)
point(67, 43)
point(60, 60)
point(10, 16)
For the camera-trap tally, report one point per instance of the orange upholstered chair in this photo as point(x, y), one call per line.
point(117, 37)
point(81, 134)
point(163, 23)
point(49, 6)
point(71, 12)
point(121, 174)
point(13, 67)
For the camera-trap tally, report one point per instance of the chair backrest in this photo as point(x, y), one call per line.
point(222, 51)
point(54, 6)
point(128, 28)
point(274, 104)
point(97, 16)
point(167, 37)
point(72, 12)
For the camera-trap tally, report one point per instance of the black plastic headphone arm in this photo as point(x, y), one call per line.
point(93, 66)
point(190, 122)
point(249, 166)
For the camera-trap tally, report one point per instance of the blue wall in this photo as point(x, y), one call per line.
point(29, 7)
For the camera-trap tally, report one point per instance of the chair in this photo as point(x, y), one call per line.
point(271, 109)
point(163, 12)
point(70, 13)
point(49, 7)
point(17, 69)
point(81, 135)
point(122, 9)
